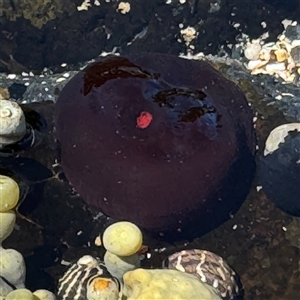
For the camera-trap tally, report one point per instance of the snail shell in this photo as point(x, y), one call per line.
point(13, 124)
point(209, 268)
point(88, 279)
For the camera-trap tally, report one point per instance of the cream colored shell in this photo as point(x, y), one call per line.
point(278, 135)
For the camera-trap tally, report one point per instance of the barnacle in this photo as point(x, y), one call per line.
point(122, 238)
point(165, 284)
point(9, 193)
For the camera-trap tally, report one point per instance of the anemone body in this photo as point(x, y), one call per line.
point(161, 141)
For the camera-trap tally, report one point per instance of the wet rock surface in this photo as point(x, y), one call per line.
point(58, 33)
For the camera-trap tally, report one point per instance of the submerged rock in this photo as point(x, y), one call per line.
point(280, 168)
point(161, 141)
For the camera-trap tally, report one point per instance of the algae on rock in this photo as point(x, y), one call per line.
point(38, 12)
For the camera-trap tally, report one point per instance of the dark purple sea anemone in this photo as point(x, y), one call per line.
point(162, 141)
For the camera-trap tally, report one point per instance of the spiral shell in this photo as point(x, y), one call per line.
point(209, 268)
point(13, 124)
point(88, 279)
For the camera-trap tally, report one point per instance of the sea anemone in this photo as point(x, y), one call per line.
point(164, 142)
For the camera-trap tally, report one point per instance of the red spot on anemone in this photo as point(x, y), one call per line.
point(144, 119)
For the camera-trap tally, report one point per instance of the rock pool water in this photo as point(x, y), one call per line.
point(256, 241)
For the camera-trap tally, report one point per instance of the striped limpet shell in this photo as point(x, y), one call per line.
point(209, 268)
point(88, 279)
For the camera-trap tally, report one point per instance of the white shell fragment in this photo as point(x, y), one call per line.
point(188, 34)
point(252, 51)
point(255, 64)
point(277, 136)
point(124, 7)
point(12, 120)
point(275, 67)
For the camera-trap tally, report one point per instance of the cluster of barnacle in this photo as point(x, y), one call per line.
point(13, 129)
point(12, 265)
point(188, 274)
point(281, 59)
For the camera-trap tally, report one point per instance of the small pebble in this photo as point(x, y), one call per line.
point(252, 51)
point(11, 76)
point(60, 79)
point(258, 188)
point(263, 24)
